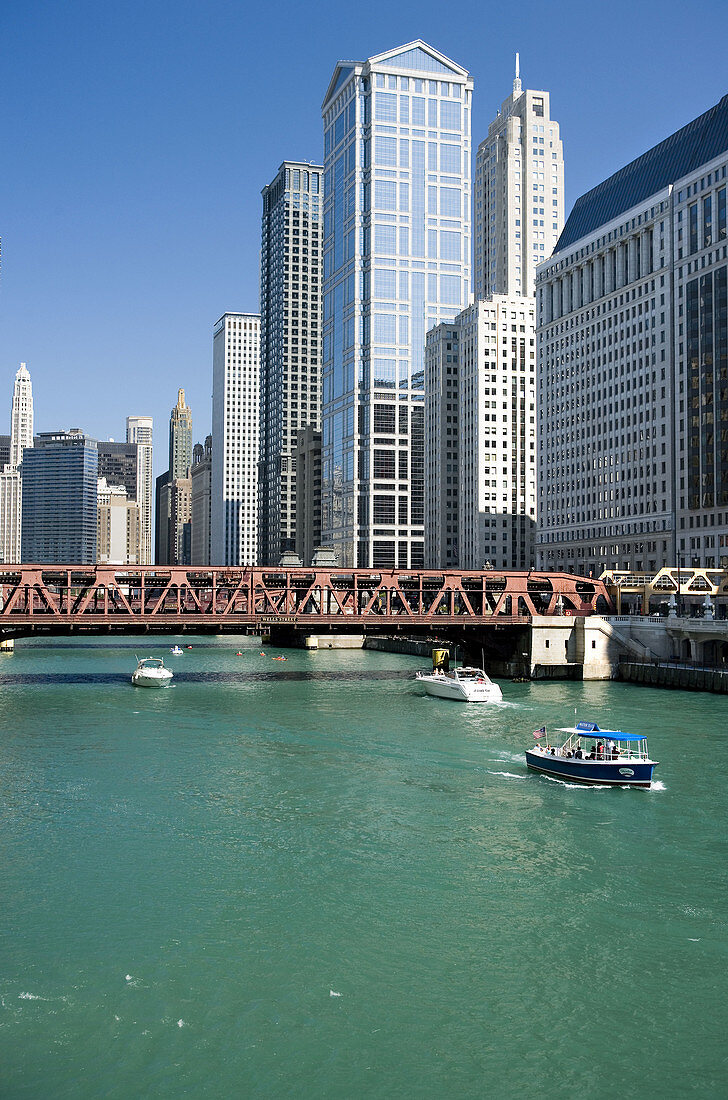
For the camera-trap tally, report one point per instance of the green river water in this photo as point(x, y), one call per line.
point(305, 879)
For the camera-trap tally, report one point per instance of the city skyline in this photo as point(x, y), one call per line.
point(78, 206)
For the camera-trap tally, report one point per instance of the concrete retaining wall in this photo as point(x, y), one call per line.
point(417, 647)
point(674, 676)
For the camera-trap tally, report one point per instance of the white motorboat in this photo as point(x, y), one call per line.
point(176, 651)
point(150, 672)
point(464, 685)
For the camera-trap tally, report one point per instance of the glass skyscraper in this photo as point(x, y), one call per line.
point(60, 499)
point(290, 344)
point(396, 263)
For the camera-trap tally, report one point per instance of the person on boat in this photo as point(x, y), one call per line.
point(577, 752)
point(600, 751)
point(593, 754)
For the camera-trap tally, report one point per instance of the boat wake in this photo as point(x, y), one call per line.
point(508, 775)
point(657, 785)
point(579, 786)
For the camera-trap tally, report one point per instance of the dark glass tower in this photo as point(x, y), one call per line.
point(60, 499)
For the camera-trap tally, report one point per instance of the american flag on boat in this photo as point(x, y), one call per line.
point(539, 733)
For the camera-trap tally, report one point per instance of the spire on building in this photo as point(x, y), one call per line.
point(517, 82)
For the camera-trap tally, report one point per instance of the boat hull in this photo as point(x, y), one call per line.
point(150, 681)
point(614, 773)
point(473, 693)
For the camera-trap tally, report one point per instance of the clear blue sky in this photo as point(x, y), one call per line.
point(135, 138)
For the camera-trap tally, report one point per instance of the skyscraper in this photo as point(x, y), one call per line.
point(396, 263)
point(118, 463)
point(60, 493)
point(21, 437)
point(480, 437)
point(235, 439)
point(201, 502)
point(172, 544)
point(290, 343)
point(180, 438)
point(519, 194)
point(139, 430)
point(633, 364)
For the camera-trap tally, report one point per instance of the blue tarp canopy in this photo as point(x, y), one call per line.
point(591, 729)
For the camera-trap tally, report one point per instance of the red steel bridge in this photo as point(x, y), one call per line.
point(64, 599)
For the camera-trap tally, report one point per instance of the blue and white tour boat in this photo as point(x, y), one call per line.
point(594, 755)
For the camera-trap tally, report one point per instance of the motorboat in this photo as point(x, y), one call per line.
point(176, 651)
point(150, 672)
point(594, 755)
point(464, 685)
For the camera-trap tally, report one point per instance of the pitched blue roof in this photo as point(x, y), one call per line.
point(684, 151)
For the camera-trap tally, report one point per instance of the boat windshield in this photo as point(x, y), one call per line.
point(151, 662)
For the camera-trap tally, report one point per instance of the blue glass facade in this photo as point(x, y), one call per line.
point(60, 499)
point(396, 263)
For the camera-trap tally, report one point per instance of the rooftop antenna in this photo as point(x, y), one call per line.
point(517, 82)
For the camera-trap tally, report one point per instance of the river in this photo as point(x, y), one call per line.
point(305, 879)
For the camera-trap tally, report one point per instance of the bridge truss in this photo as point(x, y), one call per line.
point(61, 599)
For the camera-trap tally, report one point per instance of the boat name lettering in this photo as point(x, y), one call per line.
point(626, 771)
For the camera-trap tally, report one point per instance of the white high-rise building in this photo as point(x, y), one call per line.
point(480, 437)
point(519, 194)
point(139, 430)
point(396, 264)
point(633, 365)
point(290, 343)
point(21, 436)
point(235, 439)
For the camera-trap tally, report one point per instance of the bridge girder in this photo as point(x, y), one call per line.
point(101, 597)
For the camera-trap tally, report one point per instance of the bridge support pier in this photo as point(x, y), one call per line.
point(290, 638)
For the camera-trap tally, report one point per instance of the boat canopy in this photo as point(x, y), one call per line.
point(591, 729)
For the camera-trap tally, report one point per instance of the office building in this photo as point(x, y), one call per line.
point(173, 530)
point(201, 502)
point(172, 539)
point(633, 365)
point(235, 439)
point(290, 343)
point(308, 493)
point(162, 513)
point(480, 437)
point(396, 264)
point(519, 194)
point(180, 438)
point(21, 437)
point(118, 464)
point(139, 430)
point(180, 521)
point(117, 525)
point(59, 492)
